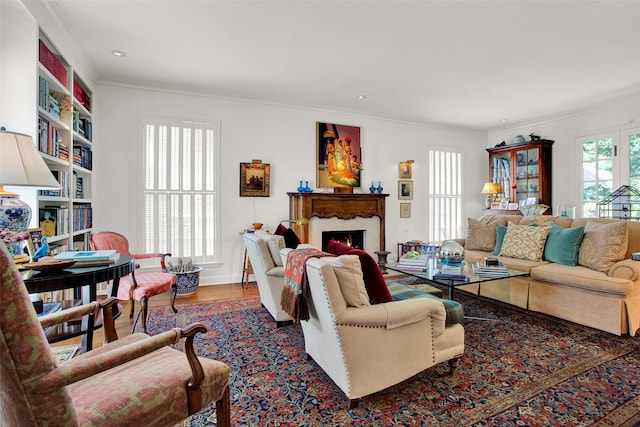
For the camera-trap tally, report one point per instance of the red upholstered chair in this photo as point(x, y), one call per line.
point(136, 380)
point(141, 286)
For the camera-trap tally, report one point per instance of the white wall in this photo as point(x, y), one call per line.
point(563, 130)
point(284, 137)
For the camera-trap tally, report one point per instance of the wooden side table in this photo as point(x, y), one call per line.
point(246, 269)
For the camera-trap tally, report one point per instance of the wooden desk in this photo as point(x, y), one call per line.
point(79, 278)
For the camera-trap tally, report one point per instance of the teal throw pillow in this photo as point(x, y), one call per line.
point(501, 230)
point(563, 244)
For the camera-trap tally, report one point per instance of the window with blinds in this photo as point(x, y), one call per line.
point(444, 197)
point(181, 187)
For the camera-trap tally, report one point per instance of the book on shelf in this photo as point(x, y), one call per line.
point(84, 256)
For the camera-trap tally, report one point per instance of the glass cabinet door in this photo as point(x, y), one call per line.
point(501, 172)
point(527, 175)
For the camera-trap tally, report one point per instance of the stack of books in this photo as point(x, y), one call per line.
point(490, 267)
point(89, 258)
point(449, 272)
point(412, 261)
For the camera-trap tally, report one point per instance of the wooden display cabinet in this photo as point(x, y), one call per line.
point(524, 170)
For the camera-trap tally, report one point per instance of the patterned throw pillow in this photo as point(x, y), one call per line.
point(603, 245)
point(481, 235)
point(524, 242)
point(543, 220)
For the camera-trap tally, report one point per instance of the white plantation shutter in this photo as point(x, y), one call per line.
point(181, 186)
point(444, 198)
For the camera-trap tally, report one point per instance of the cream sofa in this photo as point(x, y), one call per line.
point(605, 300)
point(369, 348)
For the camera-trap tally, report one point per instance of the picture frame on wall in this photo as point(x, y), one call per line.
point(338, 155)
point(405, 210)
point(255, 179)
point(405, 190)
point(406, 170)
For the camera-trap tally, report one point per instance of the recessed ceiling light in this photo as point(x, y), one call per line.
point(504, 120)
point(118, 53)
point(361, 96)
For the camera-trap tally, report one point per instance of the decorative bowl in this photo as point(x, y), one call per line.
point(257, 225)
point(451, 251)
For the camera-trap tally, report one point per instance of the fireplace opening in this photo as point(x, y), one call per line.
point(353, 238)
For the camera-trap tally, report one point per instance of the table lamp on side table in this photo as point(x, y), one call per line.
point(490, 189)
point(22, 166)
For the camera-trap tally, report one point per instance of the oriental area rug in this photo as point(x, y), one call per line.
point(521, 368)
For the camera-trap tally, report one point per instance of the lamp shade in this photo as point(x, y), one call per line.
point(21, 164)
point(491, 188)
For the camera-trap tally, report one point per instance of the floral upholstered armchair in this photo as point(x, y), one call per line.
point(137, 380)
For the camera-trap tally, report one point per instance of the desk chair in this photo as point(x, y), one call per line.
point(133, 381)
point(141, 286)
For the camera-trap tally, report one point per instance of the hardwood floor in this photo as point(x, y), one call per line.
point(203, 294)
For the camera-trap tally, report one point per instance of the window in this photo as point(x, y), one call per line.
point(180, 188)
point(608, 161)
point(444, 198)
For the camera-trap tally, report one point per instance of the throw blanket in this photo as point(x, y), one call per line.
point(294, 294)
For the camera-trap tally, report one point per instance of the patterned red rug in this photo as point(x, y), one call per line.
point(520, 369)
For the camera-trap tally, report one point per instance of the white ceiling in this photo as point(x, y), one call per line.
point(456, 63)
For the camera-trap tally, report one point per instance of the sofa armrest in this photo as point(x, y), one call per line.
point(393, 314)
point(625, 269)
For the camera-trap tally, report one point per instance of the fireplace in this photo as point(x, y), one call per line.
point(340, 212)
point(353, 238)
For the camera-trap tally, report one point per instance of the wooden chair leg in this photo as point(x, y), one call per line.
point(453, 363)
point(174, 293)
point(144, 303)
point(353, 403)
point(133, 305)
point(223, 410)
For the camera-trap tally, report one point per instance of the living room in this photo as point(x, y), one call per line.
point(280, 130)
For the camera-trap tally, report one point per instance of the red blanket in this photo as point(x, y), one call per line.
point(294, 294)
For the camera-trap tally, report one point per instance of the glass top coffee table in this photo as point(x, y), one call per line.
point(429, 270)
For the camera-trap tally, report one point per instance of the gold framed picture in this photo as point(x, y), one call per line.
point(405, 210)
point(405, 190)
point(255, 179)
point(34, 241)
point(338, 155)
point(406, 170)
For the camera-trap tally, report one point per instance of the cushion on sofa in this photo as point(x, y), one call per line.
point(454, 310)
point(274, 243)
point(349, 274)
point(501, 230)
point(373, 279)
point(603, 245)
point(563, 244)
point(524, 242)
point(481, 235)
point(542, 220)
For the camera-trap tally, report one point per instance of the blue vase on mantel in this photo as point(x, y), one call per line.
point(379, 188)
point(301, 188)
point(306, 187)
point(372, 189)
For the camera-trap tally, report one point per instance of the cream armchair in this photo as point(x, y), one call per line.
point(367, 349)
point(263, 250)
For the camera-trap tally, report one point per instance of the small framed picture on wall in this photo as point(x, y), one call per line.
point(405, 190)
point(405, 210)
point(406, 170)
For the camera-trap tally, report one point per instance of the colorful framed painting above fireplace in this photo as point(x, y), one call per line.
point(338, 155)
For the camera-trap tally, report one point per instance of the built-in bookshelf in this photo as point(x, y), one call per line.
point(65, 139)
